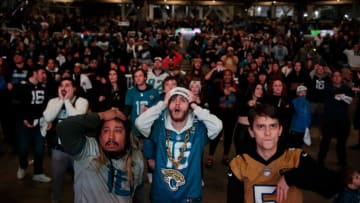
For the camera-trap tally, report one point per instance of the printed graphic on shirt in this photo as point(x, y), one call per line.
point(156, 83)
point(118, 182)
point(320, 84)
point(261, 191)
point(175, 150)
point(173, 178)
point(37, 96)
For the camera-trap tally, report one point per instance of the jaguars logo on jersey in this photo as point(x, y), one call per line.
point(173, 178)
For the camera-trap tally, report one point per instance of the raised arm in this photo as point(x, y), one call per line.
point(74, 130)
point(145, 120)
point(213, 124)
point(52, 109)
point(81, 106)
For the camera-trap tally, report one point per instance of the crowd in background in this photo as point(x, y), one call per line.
point(233, 65)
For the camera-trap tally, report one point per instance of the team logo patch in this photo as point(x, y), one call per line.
point(267, 171)
point(173, 178)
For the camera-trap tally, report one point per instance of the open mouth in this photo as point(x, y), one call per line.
point(111, 143)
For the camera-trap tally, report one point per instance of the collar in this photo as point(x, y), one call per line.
point(52, 71)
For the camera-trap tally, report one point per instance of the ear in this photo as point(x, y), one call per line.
point(280, 130)
point(251, 132)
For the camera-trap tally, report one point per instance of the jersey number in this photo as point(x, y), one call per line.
point(176, 149)
point(38, 97)
point(157, 84)
point(140, 105)
point(261, 190)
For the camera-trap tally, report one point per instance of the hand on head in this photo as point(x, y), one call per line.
point(167, 98)
point(111, 114)
point(192, 97)
point(180, 91)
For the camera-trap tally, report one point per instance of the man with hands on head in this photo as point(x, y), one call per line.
point(180, 130)
point(108, 168)
point(270, 173)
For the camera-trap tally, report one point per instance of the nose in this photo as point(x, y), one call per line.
point(111, 135)
point(267, 131)
point(177, 101)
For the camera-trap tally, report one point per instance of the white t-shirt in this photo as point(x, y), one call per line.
point(353, 59)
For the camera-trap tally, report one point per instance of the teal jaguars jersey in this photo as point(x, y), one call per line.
point(139, 100)
point(181, 183)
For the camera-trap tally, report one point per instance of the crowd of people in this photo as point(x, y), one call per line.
point(104, 98)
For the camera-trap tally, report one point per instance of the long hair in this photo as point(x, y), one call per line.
point(284, 90)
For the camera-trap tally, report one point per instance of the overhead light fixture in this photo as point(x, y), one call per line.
point(316, 14)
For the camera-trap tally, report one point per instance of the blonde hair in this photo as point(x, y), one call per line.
point(195, 82)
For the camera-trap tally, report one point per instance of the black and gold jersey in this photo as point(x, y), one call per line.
point(260, 180)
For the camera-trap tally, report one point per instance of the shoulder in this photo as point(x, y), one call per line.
point(131, 90)
point(198, 123)
point(137, 157)
point(54, 100)
point(90, 149)
point(294, 153)
point(240, 164)
point(152, 92)
point(81, 100)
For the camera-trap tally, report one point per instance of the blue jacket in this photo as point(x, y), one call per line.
point(302, 114)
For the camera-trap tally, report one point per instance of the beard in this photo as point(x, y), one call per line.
point(114, 154)
point(178, 115)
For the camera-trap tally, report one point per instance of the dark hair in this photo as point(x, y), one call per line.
point(168, 78)
point(265, 110)
point(137, 70)
point(68, 79)
point(248, 95)
point(270, 90)
point(127, 127)
point(35, 69)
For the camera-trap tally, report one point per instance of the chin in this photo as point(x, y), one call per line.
point(178, 116)
point(114, 154)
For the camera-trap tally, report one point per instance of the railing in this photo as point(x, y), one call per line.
point(129, 80)
point(11, 29)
